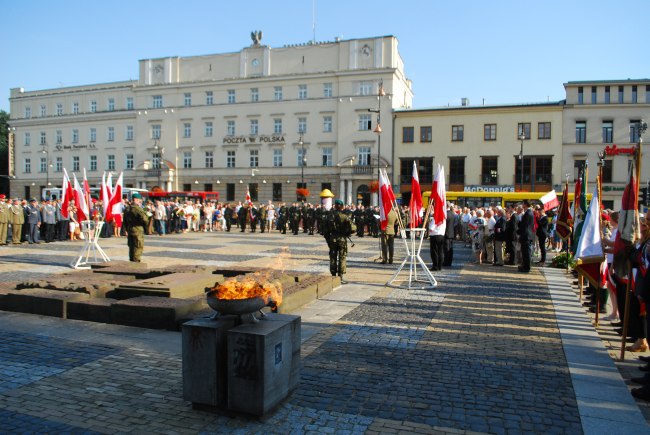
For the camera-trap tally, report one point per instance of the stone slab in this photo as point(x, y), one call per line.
point(155, 312)
point(42, 301)
point(176, 285)
point(97, 285)
point(92, 310)
point(205, 363)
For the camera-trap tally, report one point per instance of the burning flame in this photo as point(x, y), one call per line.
point(250, 286)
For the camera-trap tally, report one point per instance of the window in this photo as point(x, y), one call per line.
point(93, 135)
point(425, 134)
point(578, 166)
point(457, 133)
point(302, 157)
point(302, 125)
point(302, 92)
point(75, 135)
point(594, 94)
point(209, 98)
point(581, 131)
point(457, 170)
point(363, 157)
point(277, 192)
point(187, 129)
point(129, 132)
point(607, 95)
point(327, 124)
point(230, 159)
point(187, 159)
point(93, 106)
point(59, 136)
point(28, 139)
point(187, 99)
point(230, 127)
point(59, 109)
point(75, 164)
point(277, 157)
point(157, 101)
point(231, 96)
point(28, 112)
point(209, 159)
point(277, 125)
point(43, 166)
point(634, 130)
point(254, 127)
point(75, 108)
point(254, 160)
point(365, 88)
point(327, 90)
point(489, 174)
point(111, 162)
point(129, 161)
point(155, 131)
point(328, 159)
point(621, 95)
point(110, 134)
point(544, 130)
point(522, 128)
point(607, 171)
point(28, 165)
point(277, 93)
point(230, 191)
point(43, 110)
point(110, 104)
point(365, 122)
point(58, 166)
point(608, 131)
point(208, 128)
point(129, 103)
point(581, 95)
point(543, 170)
point(634, 95)
point(156, 160)
point(490, 132)
point(255, 95)
point(43, 138)
point(93, 163)
point(407, 134)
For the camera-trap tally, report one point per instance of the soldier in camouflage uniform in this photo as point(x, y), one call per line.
point(337, 227)
point(135, 221)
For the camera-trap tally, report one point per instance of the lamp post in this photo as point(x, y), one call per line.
point(522, 137)
point(303, 162)
point(159, 160)
point(380, 93)
point(47, 165)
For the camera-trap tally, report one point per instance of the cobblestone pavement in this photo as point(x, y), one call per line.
point(484, 352)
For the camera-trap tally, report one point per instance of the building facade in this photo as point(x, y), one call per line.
point(602, 117)
point(264, 120)
point(481, 147)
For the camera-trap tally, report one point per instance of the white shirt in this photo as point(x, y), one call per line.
point(436, 230)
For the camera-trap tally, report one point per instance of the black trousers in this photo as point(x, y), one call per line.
point(525, 255)
point(436, 249)
point(448, 252)
point(542, 248)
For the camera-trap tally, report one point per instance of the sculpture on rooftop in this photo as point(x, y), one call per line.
point(256, 36)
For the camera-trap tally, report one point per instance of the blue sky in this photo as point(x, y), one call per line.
point(501, 51)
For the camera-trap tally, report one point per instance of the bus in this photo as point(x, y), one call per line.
point(95, 192)
point(178, 196)
point(491, 199)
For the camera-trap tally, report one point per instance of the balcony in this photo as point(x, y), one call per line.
point(152, 173)
point(362, 169)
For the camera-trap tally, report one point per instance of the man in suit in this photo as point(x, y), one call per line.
point(526, 235)
point(34, 220)
point(450, 235)
point(499, 236)
point(542, 234)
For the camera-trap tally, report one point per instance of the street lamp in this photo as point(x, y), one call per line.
point(303, 160)
point(47, 164)
point(380, 93)
point(522, 137)
point(159, 160)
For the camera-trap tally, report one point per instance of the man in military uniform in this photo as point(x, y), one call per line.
point(360, 220)
point(253, 215)
point(261, 214)
point(16, 219)
point(318, 217)
point(34, 221)
point(371, 221)
point(388, 238)
point(294, 218)
point(227, 214)
point(4, 219)
point(49, 221)
point(282, 218)
point(135, 222)
point(242, 216)
point(337, 227)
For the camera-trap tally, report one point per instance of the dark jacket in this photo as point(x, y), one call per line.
point(542, 226)
point(525, 230)
point(449, 224)
point(500, 229)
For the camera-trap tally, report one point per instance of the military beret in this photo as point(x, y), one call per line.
point(33, 200)
point(338, 202)
point(136, 195)
point(2, 196)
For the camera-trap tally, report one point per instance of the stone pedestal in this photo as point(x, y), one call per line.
point(263, 363)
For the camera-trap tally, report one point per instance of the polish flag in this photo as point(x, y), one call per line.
point(386, 198)
point(629, 228)
point(415, 204)
point(439, 194)
point(550, 200)
point(66, 194)
point(107, 192)
point(80, 201)
point(116, 197)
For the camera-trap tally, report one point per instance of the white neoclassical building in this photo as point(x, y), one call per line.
point(261, 119)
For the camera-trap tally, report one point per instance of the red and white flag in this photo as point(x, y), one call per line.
point(106, 193)
point(66, 194)
point(590, 255)
point(415, 205)
point(386, 198)
point(439, 194)
point(116, 198)
point(629, 228)
point(248, 197)
point(550, 200)
point(80, 201)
